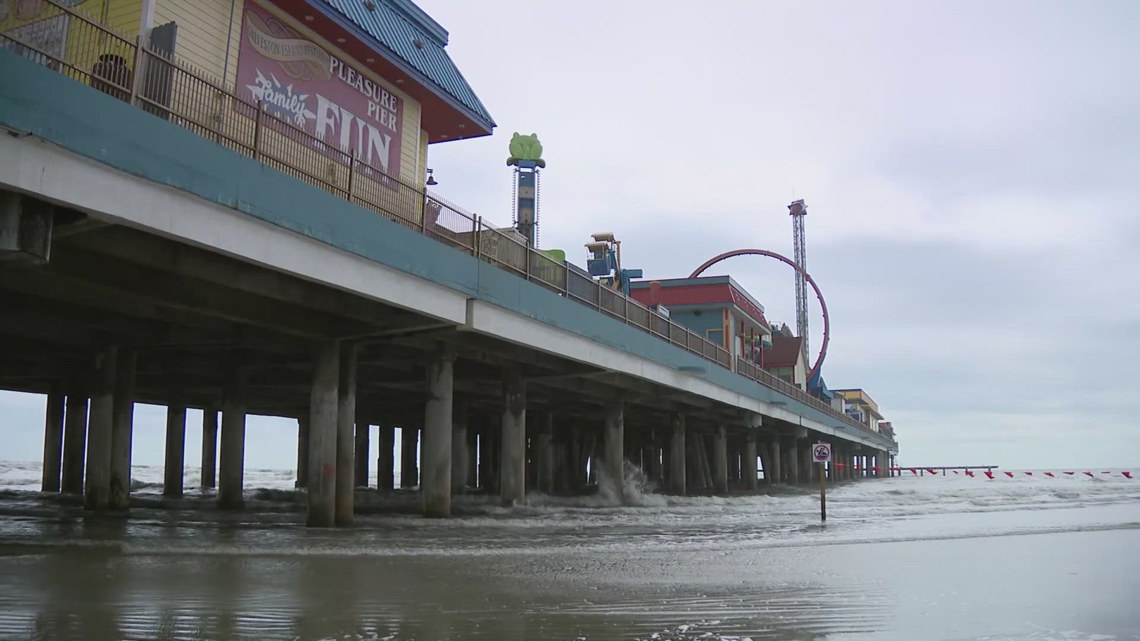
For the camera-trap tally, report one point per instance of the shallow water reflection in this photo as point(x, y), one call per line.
point(100, 594)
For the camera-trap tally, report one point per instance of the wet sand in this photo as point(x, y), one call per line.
point(1072, 585)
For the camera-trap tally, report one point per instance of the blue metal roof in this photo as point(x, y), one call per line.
point(397, 26)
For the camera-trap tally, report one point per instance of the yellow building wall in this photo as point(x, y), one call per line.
point(123, 16)
point(204, 31)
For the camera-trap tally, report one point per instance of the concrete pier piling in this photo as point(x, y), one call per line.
point(751, 474)
point(700, 476)
point(614, 447)
point(720, 460)
point(472, 451)
point(323, 404)
point(209, 448)
point(53, 439)
point(231, 459)
point(460, 456)
point(360, 453)
point(544, 453)
point(793, 462)
point(409, 457)
point(438, 428)
point(677, 455)
point(122, 430)
point(303, 430)
point(385, 458)
point(97, 481)
point(512, 465)
point(346, 434)
point(74, 441)
point(174, 467)
point(774, 461)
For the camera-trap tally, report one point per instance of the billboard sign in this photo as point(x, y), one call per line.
point(325, 95)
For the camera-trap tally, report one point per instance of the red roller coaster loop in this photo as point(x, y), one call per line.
point(807, 277)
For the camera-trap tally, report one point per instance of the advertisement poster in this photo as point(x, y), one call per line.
point(300, 82)
point(31, 22)
point(48, 36)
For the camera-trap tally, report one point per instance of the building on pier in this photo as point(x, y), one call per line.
point(787, 360)
point(716, 308)
point(859, 405)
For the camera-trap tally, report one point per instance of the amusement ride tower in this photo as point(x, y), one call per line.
point(798, 210)
point(526, 158)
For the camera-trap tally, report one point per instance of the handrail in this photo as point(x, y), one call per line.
point(192, 99)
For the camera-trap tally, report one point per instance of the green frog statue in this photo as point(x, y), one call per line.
point(526, 150)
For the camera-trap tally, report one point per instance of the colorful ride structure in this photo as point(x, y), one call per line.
point(604, 263)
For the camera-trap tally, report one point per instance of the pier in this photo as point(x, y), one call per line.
point(922, 471)
point(158, 253)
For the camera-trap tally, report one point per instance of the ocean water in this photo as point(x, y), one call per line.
point(932, 557)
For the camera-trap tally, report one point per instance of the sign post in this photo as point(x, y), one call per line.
point(821, 453)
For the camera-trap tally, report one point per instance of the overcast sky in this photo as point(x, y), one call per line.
point(971, 170)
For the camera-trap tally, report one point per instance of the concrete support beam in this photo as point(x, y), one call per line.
point(774, 461)
point(512, 466)
point(122, 430)
point(231, 461)
point(472, 453)
point(544, 454)
point(97, 481)
point(303, 430)
point(209, 448)
point(436, 450)
point(807, 469)
point(409, 457)
point(749, 464)
point(53, 439)
point(699, 474)
point(323, 403)
point(794, 462)
point(345, 434)
point(385, 458)
point(360, 453)
point(175, 463)
point(74, 442)
point(460, 456)
point(25, 228)
point(677, 455)
point(613, 444)
point(720, 460)
point(491, 454)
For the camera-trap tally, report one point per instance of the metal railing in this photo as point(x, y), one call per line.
point(753, 371)
point(190, 98)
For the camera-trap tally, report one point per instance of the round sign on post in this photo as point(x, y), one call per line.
point(821, 452)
